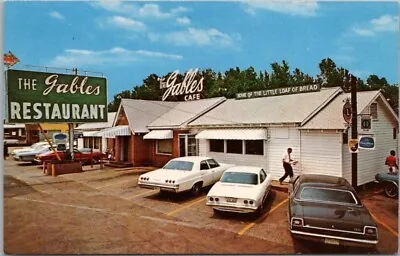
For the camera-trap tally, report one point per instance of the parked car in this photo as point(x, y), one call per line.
point(29, 155)
point(83, 155)
point(390, 182)
point(327, 209)
point(184, 174)
point(30, 148)
point(241, 189)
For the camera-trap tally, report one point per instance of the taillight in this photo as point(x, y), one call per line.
point(297, 222)
point(211, 199)
point(370, 230)
point(251, 202)
point(216, 199)
point(245, 201)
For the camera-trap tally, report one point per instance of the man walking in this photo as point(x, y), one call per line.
point(391, 161)
point(287, 165)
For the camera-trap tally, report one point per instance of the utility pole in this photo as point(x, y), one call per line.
point(354, 131)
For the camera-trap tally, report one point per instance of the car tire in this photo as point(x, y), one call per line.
point(391, 190)
point(196, 189)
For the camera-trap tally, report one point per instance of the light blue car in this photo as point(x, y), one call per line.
point(29, 155)
point(390, 182)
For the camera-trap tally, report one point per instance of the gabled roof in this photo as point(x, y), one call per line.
point(98, 126)
point(292, 108)
point(331, 117)
point(184, 112)
point(140, 113)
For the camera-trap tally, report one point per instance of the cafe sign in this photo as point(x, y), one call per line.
point(39, 97)
point(190, 88)
point(279, 91)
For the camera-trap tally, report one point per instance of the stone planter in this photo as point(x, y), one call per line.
point(58, 168)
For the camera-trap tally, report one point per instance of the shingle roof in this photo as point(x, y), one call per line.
point(184, 112)
point(98, 126)
point(140, 113)
point(331, 117)
point(292, 108)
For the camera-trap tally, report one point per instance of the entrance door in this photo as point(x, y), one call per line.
point(187, 145)
point(124, 148)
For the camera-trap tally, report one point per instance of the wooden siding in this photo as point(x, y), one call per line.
point(370, 162)
point(321, 152)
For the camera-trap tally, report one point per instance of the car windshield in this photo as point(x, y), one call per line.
point(179, 165)
point(327, 195)
point(240, 177)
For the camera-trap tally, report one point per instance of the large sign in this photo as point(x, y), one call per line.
point(38, 97)
point(279, 91)
point(190, 88)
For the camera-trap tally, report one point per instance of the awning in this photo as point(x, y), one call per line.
point(120, 130)
point(159, 135)
point(233, 134)
point(90, 134)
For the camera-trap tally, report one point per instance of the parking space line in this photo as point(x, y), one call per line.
point(385, 225)
point(187, 205)
point(143, 193)
point(250, 225)
point(113, 184)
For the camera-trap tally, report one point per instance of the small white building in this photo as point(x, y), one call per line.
point(89, 131)
point(258, 131)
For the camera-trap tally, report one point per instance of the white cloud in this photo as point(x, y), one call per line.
point(126, 23)
point(200, 37)
point(363, 74)
point(113, 56)
point(183, 20)
point(56, 15)
point(291, 7)
point(385, 23)
point(146, 11)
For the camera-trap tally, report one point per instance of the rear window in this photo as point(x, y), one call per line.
point(240, 177)
point(327, 195)
point(179, 165)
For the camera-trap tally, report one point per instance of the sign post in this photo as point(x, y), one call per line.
point(354, 132)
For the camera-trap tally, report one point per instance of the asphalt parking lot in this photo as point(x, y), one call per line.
point(104, 211)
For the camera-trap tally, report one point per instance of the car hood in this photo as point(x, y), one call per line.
point(160, 175)
point(33, 152)
point(331, 216)
point(233, 190)
point(17, 151)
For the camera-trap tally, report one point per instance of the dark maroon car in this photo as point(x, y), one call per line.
point(327, 209)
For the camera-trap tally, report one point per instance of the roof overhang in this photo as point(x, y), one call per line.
point(233, 134)
point(120, 130)
point(159, 135)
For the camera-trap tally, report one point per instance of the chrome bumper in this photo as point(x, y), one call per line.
point(159, 186)
point(231, 208)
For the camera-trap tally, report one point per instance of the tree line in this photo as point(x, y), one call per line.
point(235, 80)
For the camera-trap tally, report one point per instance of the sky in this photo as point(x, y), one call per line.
point(126, 41)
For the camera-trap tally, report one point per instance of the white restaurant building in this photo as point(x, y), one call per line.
point(257, 131)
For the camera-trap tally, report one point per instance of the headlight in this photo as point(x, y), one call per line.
point(370, 230)
point(297, 222)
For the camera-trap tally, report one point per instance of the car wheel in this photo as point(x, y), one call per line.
point(391, 190)
point(196, 189)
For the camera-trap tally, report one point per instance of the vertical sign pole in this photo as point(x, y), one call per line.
point(354, 132)
point(71, 129)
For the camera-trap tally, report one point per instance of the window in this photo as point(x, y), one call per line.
point(394, 133)
point(97, 143)
point(263, 176)
point(240, 177)
point(255, 147)
point(345, 137)
point(179, 165)
point(327, 195)
point(234, 146)
point(204, 165)
point(217, 146)
point(374, 110)
point(212, 163)
point(164, 147)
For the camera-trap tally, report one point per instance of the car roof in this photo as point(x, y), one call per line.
point(244, 168)
point(191, 158)
point(322, 180)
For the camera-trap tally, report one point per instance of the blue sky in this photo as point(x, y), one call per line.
point(127, 41)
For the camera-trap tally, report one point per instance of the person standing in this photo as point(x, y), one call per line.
point(287, 165)
point(391, 161)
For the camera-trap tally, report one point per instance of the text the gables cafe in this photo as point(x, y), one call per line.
point(255, 128)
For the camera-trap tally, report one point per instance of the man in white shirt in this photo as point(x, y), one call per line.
point(287, 165)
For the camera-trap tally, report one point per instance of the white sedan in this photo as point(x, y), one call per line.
point(184, 174)
point(242, 189)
